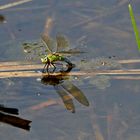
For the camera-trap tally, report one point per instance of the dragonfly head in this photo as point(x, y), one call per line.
point(44, 59)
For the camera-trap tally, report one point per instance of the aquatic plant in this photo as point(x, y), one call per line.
point(135, 28)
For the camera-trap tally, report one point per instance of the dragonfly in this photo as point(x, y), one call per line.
point(55, 51)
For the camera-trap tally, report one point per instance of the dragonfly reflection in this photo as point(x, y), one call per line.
point(7, 115)
point(66, 89)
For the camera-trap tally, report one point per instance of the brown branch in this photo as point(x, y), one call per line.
point(24, 69)
point(81, 73)
point(15, 67)
point(9, 5)
point(18, 65)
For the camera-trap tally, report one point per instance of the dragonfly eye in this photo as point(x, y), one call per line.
point(44, 59)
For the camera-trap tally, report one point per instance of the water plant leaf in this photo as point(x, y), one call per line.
point(135, 28)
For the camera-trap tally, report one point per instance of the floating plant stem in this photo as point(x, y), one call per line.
point(32, 73)
point(135, 28)
point(9, 5)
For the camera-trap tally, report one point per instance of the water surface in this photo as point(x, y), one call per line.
point(101, 28)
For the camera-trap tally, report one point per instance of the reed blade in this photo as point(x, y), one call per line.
point(135, 28)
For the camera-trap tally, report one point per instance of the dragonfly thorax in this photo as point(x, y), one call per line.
point(52, 58)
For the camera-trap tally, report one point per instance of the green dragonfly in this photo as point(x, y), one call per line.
point(52, 51)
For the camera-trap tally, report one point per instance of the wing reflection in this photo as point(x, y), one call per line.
point(76, 93)
point(7, 115)
point(67, 100)
point(66, 89)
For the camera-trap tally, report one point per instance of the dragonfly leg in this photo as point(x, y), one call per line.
point(54, 67)
point(47, 68)
point(44, 68)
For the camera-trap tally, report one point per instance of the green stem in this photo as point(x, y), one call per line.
point(135, 28)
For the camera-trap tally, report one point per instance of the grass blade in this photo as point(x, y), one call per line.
point(135, 28)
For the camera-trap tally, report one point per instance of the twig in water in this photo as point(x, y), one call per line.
point(9, 5)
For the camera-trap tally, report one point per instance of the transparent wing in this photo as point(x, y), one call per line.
point(64, 48)
point(70, 52)
point(49, 43)
point(62, 43)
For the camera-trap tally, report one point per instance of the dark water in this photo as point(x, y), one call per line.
point(104, 30)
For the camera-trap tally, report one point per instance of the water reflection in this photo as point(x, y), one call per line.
point(7, 115)
point(99, 63)
point(66, 89)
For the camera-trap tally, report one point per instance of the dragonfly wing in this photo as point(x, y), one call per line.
point(76, 93)
point(71, 52)
point(49, 43)
point(62, 43)
point(67, 100)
